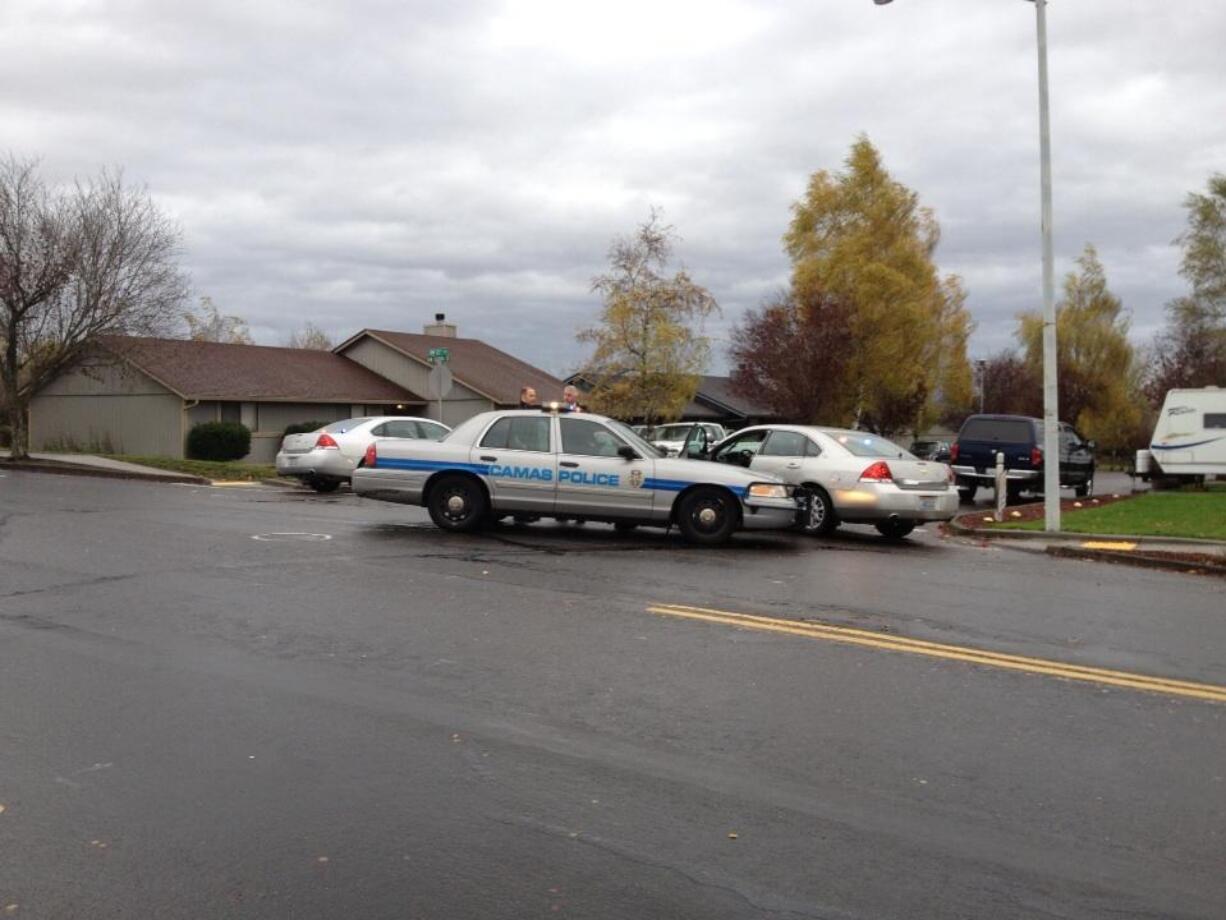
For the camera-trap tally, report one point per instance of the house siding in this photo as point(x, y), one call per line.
point(267, 420)
point(461, 403)
point(107, 408)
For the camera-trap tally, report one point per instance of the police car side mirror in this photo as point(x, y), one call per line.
point(626, 452)
point(1091, 445)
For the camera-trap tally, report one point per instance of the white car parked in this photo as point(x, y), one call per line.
point(848, 476)
point(326, 457)
point(670, 439)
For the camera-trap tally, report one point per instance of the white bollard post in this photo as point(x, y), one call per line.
point(1002, 487)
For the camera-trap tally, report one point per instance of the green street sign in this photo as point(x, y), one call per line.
point(439, 355)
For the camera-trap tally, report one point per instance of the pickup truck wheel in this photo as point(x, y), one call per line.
point(324, 485)
point(895, 530)
point(1013, 493)
point(1086, 489)
point(966, 493)
point(819, 517)
point(707, 516)
point(457, 503)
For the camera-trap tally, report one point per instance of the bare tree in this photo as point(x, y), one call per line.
point(209, 324)
point(94, 259)
point(310, 336)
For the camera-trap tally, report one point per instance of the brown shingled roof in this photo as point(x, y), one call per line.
point(475, 364)
point(216, 370)
point(720, 390)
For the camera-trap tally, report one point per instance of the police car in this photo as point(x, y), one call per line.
point(543, 463)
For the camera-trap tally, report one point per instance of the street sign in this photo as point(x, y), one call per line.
point(439, 355)
point(438, 384)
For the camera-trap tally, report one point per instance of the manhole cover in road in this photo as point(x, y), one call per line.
point(292, 536)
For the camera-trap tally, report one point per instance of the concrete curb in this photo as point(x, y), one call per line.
point(1065, 537)
point(1145, 562)
point(65, 469)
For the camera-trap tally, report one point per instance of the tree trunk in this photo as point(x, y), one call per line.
point(20, 435)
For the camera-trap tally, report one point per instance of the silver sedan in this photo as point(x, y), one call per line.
point(848, 476)
point(326, 457)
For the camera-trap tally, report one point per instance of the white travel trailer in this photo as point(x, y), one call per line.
point(1189, 441)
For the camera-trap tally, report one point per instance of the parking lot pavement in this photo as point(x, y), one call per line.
point(262, 701)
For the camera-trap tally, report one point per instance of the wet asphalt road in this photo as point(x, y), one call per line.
point(359, 716)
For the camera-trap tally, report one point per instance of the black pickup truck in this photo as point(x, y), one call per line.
point(1020, 439)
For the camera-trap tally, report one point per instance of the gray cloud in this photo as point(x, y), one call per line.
point(368, 163)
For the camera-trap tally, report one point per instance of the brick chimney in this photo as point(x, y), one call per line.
point(440, 326)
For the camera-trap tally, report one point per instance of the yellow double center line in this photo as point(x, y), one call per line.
point(850, 636)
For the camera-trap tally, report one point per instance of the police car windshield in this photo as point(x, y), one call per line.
point(643, 447)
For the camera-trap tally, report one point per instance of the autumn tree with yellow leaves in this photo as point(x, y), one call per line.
point(648, 347)
point(862, 238)
point(1100, 377)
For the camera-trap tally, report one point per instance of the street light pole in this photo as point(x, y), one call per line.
point(1051, 413)
point(1051, 392)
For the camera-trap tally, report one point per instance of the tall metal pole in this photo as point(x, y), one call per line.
point(1051, 413)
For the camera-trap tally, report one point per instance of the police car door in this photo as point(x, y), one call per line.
point(594, 479)
point(521, 467)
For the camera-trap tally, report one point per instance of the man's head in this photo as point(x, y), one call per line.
point(570, 395)
point(527, 395)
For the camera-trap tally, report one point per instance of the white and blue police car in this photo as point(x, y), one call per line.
point(549, 464)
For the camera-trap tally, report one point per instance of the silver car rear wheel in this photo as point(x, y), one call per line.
point(894, 529)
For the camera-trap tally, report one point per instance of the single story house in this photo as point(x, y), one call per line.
point(141, 396)
point(715, 401)
point(483, 377)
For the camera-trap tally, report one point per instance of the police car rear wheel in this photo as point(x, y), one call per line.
point(707, 516)
point(457, 503)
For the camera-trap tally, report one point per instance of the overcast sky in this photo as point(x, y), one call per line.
point(368, 163)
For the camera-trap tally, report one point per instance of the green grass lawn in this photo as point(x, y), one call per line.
point(231, 471)
point(1157, 514)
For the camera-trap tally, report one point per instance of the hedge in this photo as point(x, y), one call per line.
point(218, 441)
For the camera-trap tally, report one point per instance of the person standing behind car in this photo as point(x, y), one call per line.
point(570, 399)
point(527, 398)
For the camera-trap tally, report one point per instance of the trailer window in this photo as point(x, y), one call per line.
point(1215, 419)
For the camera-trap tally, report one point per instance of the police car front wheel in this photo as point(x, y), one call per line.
point(707, 516)
point(457, 503)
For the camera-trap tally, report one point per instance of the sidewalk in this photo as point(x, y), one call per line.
point(91, 465)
